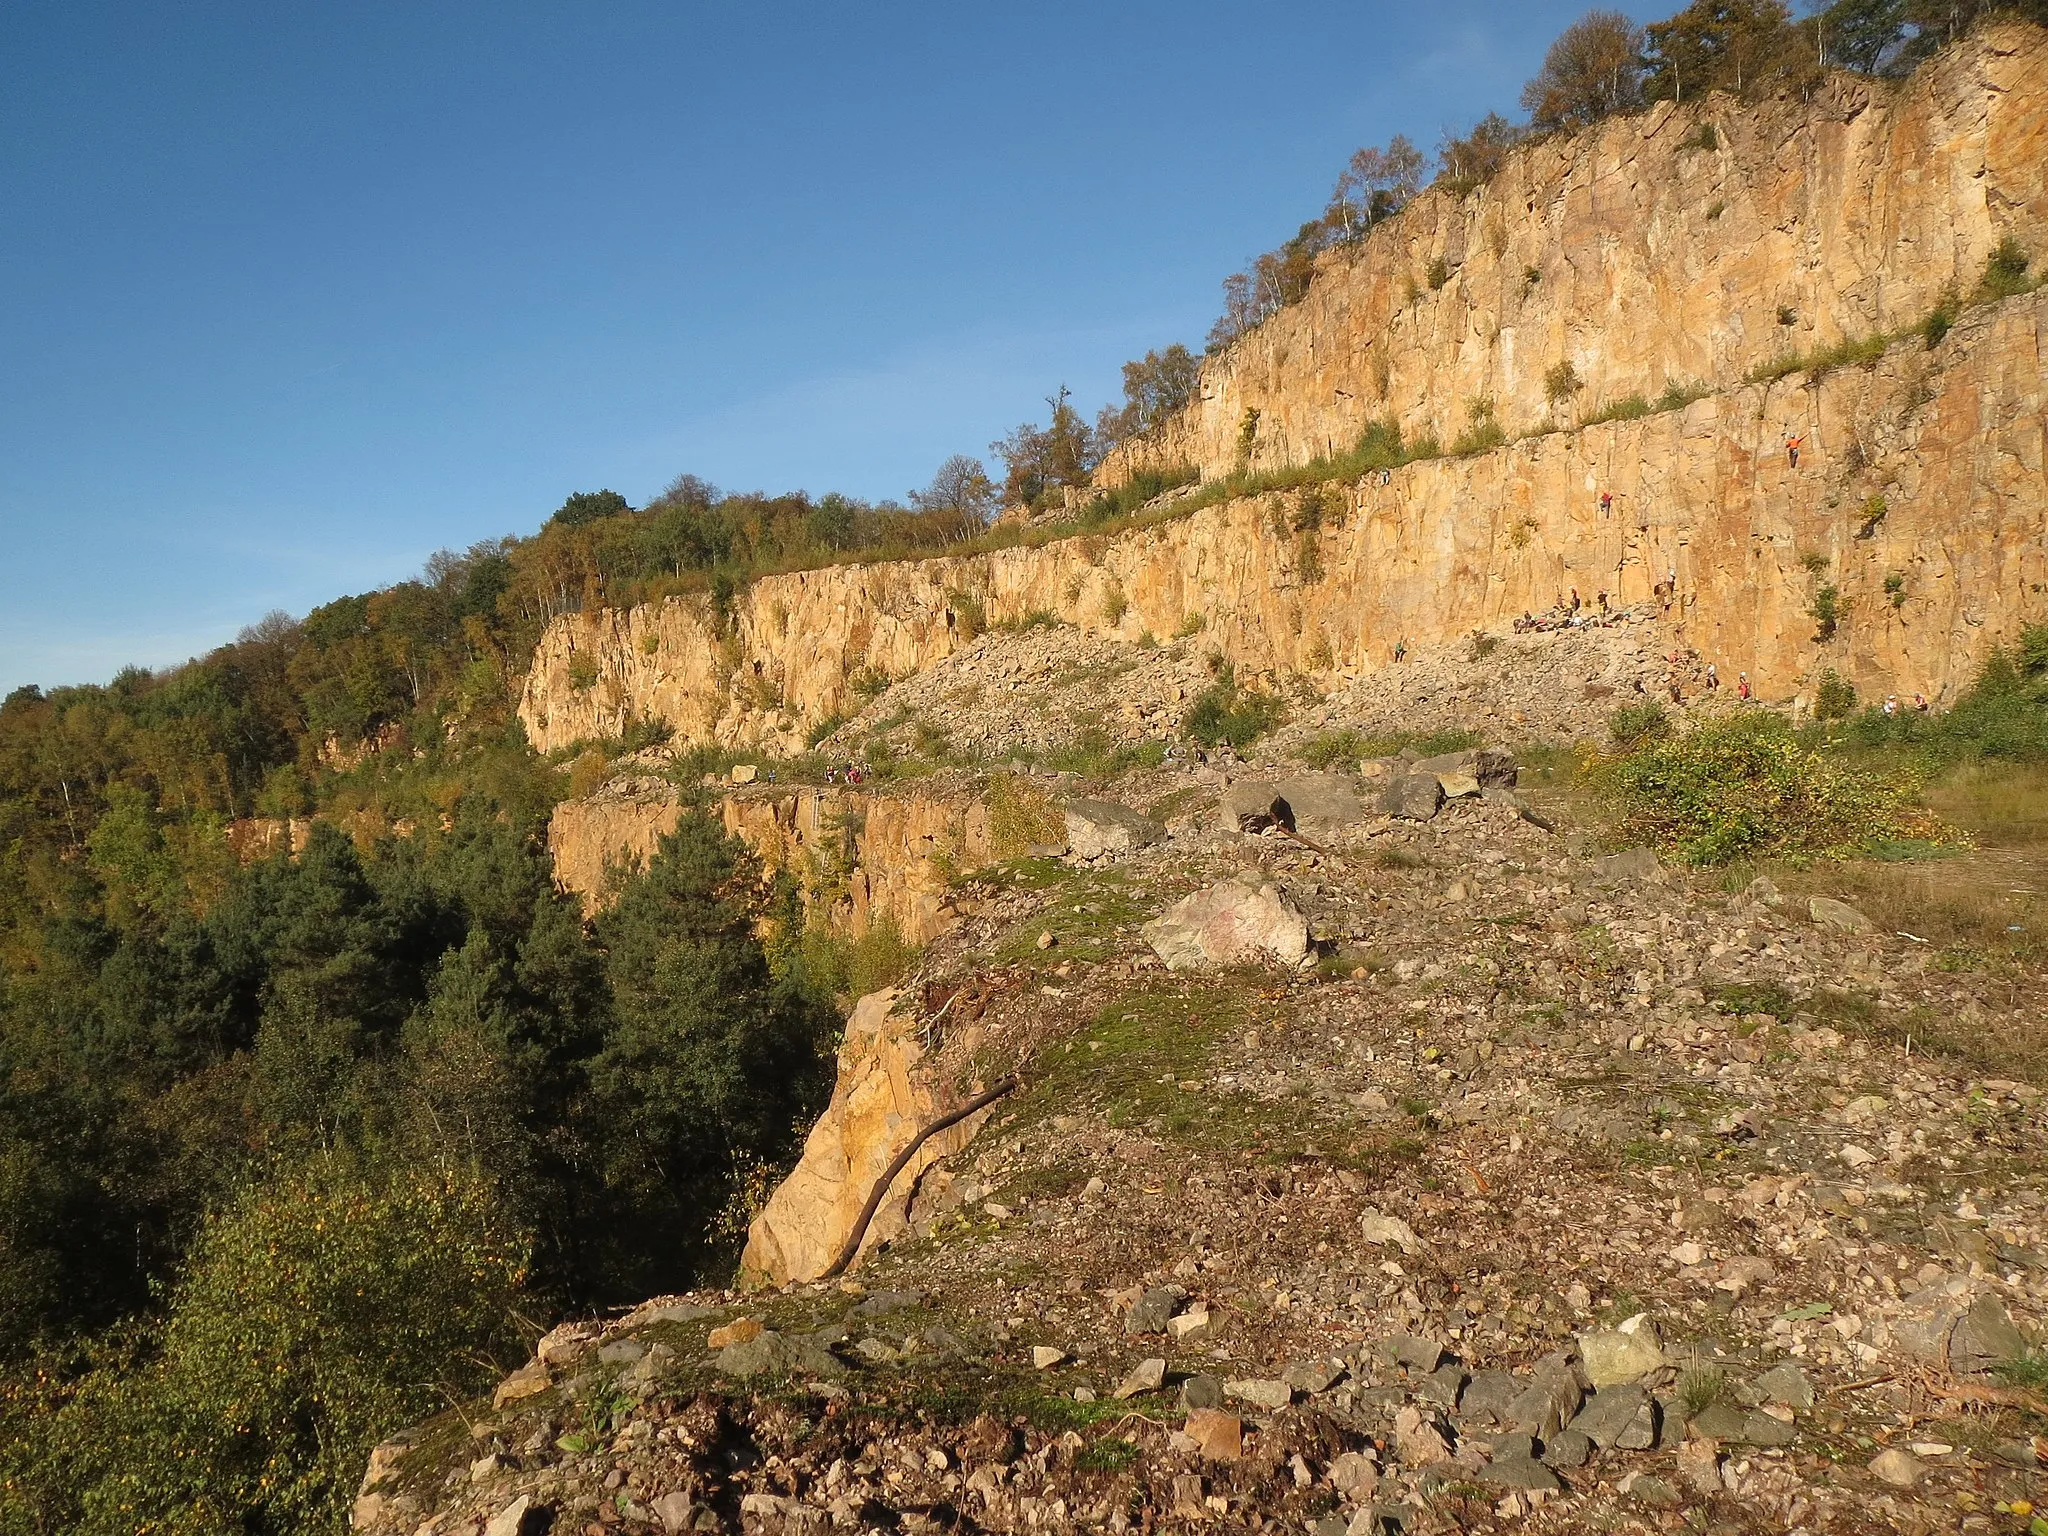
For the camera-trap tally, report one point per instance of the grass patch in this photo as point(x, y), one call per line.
point(1095, 909)
point(1334, 748)
point(1224, 712)
point(1849, 352)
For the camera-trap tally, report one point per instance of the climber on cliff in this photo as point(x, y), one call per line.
point(1575, 599)
point(1606, 503)
point(1401, 649)
point(1792, 447)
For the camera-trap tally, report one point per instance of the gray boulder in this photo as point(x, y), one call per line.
point(1099, 828)
point(1413, 797)
point(1490, 766)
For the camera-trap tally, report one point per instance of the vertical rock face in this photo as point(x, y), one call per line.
point(878, 1105)
point(1927, 465)
point(1646, 255)
point(860, 858)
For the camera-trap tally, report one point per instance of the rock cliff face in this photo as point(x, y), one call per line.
point(1683, 246)
point(859, 857)
point(879, 1103)
point(1928, 466)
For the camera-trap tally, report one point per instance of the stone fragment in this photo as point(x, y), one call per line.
point(1355, 1476)
point(1492, 767)
point(764, 1352)
point(484, 1468)
point(522, 1517)
point(744, 773)
point(1646, 1489)
point(1376, 1228)
point(1717, 1421)
point(1419, 1438)
point(1232, 922)
point(1488, 1398)
point(1615, 1415)
point(675, 1510)
point(1102, 828)
point(1201, 1391)
point(1549, 1401)
point(1313, 1375)
point(1457, 786)
point(529, 1380)
point(1145, 1376)
point(1630, 864)
point(621, 1351)
point(1760, 1428)
point(1260, 1393)
point(1412, 1352)
point(1984, 1339)
point(1567, 1449)
point(1613, 1356)
point(1252, 805)
point(1413, 797)
point(738, 1331)
point(1044, 1356)
point(1838, 915)
point(1519, 1472)
point(1900, 1468)
point(1217, 1435)
point(1786, 1383)
point(1151, 1312)
point(1699, 1465)
point(1189, 1324)
point(565, 1343)
point(1442, 1386)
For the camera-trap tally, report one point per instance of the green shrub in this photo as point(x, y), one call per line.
point(2005, 274)
point(1333, 748)
point(1703, 138)
point(1561, 382)
point(317, 1313)
point(1895, 589)
point(1715, 209)
point(1826, 611)
point(1633, 724)
point(1225, 713)
point(1106, 506)
point(1746, 787)
point(1835, 699)
point(1438, 273)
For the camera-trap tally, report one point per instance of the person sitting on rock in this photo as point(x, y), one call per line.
point(1713, 677)
point(1891, 705)
point(1920, 702)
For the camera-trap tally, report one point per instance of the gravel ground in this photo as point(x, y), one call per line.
point(1363, 1234)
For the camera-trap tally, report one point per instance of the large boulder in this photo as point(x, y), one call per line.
point(1313, 804)
point(1099, 828)
point(1413, 797)
point(880, 1101)
point(1493, 768)
point(1231, 923)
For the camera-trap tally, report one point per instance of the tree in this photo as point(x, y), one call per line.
point(1724, 45)
point(1377, 184)
point(1593, 70)
point(1156, 386)
point(588, 507)
point(960, 489)
point(1477, 158)
point(1038, 460)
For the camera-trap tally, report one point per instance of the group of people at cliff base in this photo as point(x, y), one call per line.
point(846, 773)
point(1574, 612)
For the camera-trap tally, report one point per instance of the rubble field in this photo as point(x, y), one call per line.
point(1447, 1174)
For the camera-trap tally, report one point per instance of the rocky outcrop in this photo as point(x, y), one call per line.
point(1928, 466)
point(879, 1103)
point(1685, 247)
point(858, 856)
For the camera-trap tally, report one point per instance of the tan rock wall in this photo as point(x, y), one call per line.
point(860, 856)
point(1952, 439)
point(1645, 261)
point(879, 1103)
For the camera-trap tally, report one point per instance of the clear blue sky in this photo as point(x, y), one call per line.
point(293, 294)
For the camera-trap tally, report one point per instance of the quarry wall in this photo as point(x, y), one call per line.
point(1927, 465)
point(1686, 245)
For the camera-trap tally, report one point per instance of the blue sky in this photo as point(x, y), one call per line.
point(292, 295)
